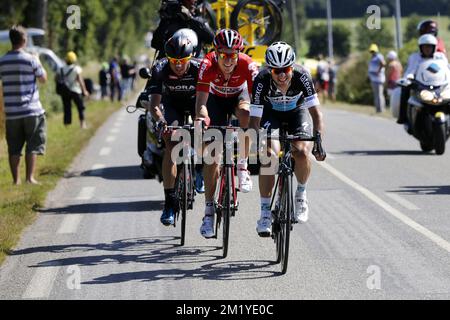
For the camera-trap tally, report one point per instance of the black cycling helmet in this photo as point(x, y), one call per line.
point(179, 46)
point(428, 26)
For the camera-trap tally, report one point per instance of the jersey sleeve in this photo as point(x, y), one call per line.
point(205, 76)
point(252, 72)
point(155, 84)
point(310, 95)
point(258, 93)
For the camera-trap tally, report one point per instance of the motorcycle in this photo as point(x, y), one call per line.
point(150, 149)
point(428, 110)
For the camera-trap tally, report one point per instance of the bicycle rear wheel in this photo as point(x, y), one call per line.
point(226, 211)
point(285, 216)
point(263, 17)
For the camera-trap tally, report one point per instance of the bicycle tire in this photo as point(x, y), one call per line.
point(226, 212)
point(272, 29)
point(286, 225)
point(184, 203)
point(276, 229)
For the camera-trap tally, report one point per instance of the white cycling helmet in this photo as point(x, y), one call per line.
point(188, 33)
point(392, 55)
point(280, 55)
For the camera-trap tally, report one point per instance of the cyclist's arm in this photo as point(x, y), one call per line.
point(259, 91)
point(155, 109)
point(317, 118)
point(200, 104)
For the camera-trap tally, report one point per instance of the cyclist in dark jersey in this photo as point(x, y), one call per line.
point(284, 93)
point(173, 85)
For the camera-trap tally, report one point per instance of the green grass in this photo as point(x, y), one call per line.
point(18, 204)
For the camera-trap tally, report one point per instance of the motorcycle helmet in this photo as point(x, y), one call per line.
point(427, 39)
point(428, 26)
point(280, 55)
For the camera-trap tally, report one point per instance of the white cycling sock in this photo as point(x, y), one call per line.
point(265, 207)
point(301, 191)
point(242, 164)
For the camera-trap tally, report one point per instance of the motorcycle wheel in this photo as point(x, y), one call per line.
point(439, 137)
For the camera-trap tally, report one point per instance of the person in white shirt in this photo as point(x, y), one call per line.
point(427, 50)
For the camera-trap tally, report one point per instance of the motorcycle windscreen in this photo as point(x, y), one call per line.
point(433, 72)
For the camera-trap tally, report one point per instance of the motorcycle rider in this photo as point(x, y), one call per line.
point(431, 27)
point(178, 14)
point(173, 84)
point(427, 50)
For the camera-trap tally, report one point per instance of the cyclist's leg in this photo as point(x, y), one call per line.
point(242, 112)
point(267, 174)
point(218, 117)
point(169, 168)
point(300, 123)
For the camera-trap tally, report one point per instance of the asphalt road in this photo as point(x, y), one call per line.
point(379, 228)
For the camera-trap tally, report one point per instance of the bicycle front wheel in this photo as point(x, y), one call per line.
point(285, 216)
point(260, 20)
point(226, 211)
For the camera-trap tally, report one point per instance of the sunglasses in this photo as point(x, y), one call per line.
point(281, 70)
point(179, 61)
point(224, 55)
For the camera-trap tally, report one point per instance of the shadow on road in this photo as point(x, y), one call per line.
point(385, 153)
point(116, 173)
point(163, 251)
point(108, 207)
point(424, 190)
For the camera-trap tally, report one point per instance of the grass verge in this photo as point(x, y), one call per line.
point(19, 204)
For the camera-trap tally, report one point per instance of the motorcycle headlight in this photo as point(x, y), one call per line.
point(445, 94)
point(426, 95)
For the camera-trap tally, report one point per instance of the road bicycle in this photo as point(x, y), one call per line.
point(258, 21)
point(282, 203)
point(184, 181)
point(226, 204)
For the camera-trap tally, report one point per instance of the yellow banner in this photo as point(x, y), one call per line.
point(257, 53)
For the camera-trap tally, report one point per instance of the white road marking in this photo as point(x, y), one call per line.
point(117, 124)
point(394, 212)
point(115, 130)
point(111, 139)
point(86, 193)
point(105, 151)
point(42, 283)
point(403, 202)
point(70, 224)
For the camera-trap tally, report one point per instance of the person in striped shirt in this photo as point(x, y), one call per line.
point(24, 114)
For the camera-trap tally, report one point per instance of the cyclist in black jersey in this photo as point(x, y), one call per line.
point(173, 84)
point(283, 94)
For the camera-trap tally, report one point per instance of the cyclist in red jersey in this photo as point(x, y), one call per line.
point(224, 86)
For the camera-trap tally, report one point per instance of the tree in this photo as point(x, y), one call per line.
point(411, 28)
point(382, 37)
point(317, 37)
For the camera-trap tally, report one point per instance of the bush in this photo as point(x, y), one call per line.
point(382, 37)
point(317, 37)
point(353, 85)
point(411, 28)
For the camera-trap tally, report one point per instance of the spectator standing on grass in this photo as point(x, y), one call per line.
point(74, 90)
point(115, 83)
point(394, 71)
point(377, 77)
point(103, 79)
point(25, 116)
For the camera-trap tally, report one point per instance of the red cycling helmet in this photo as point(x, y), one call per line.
point(428, 26)
point(228, 39)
